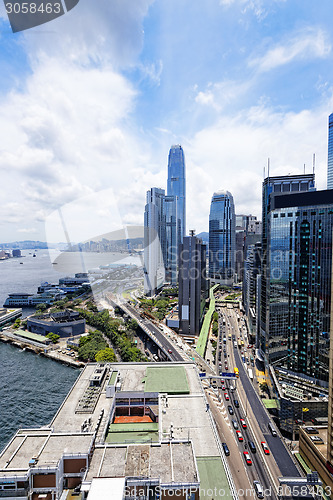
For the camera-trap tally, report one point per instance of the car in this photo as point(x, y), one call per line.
point(226, 367)
point(223, 387)
point(230, 410)
point(259, 489)
point(235, 424)
point(243, 423)
point(239, 436)
point(250, 346)
point(169, 350)
point(226, 449)
point(236, 403)
point(247, 458)
point(265, 447)
point(226, 395)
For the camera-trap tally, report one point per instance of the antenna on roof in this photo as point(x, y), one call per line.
point(304, 168)
point(313, 163)
point(268, 163)
point(264, 172)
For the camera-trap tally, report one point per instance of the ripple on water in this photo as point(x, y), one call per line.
point(31, 390)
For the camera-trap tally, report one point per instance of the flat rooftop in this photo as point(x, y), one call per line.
point(171, 449)
point(171, 380)
point(171, 462)
point(44, 445)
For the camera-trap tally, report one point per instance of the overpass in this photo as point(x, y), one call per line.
point(166, 350)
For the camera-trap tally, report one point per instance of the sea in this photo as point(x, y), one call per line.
point(33, 387)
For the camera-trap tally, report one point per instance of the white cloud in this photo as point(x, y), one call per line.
point(304, 45)
point(260, 8)
point(233, 153)
point(28, 230)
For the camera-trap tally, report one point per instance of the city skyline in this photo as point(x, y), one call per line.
point(230, 80)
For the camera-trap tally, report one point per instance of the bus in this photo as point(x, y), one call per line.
point(236, 372)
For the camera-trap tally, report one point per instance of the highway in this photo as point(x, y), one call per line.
point(244, 474)
point(169, 348)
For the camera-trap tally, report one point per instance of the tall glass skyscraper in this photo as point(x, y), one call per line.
point(330, 153)
point(154, 241)
point(298, 281)
point(177, 186)
point(222, 237)
point(274, 186)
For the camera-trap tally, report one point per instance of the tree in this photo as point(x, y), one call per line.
point(106, 354)
point(263, 387)
point(54, 337)
point(17, 323)
point(41, 307)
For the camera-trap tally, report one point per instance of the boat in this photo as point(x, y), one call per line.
point(34, 255)
point(21, 262)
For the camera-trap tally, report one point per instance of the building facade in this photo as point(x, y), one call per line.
point(222, 238)
point(177, 187)
point(274, 186)
point(154, 241)
point(298, 283)
point(192, 285)
point(171, 250)
point(330, 153)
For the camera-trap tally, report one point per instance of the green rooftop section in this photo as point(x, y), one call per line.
point(31, 336)
point(171, 380)
point(203, 337)
point(113, 378)
point(133, 433)
point(270, 403)
point(212, 475)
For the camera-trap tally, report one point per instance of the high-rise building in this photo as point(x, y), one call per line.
point(154, 241)
point(298, 284)
point(274, 186)
point(171, 238)
point(222, 238)
point(248, 232)
point(177, 186)
point(192, 285)
point(252, 268)
point(330, 153)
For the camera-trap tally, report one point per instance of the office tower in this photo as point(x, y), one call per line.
point(154, 241)
point(192, 285)
point(274, 186)
point(298, 284)
point(248, 232)
point(177, 187)
point(330, 394)
point(252, 269)
point(222, 238)
point(171, 238)
point(330, 153)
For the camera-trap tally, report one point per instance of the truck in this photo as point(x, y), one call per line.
point(250, 373)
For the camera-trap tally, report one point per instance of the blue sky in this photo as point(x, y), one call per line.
point(95, 99)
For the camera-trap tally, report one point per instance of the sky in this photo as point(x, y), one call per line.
point(91, 103)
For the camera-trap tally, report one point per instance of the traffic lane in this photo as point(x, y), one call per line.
point(236, 463)
point(157, 333)
point(277, 448)
point(259, 470)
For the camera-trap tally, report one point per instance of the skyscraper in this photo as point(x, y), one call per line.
point(298, 283)
point(177, 187)
point(274, 186)
point(192, 285)
point(171, 238)
point(222, 237)
point(154, 241)
point(330, 153)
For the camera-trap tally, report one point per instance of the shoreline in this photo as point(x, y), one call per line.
point(39, 350)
